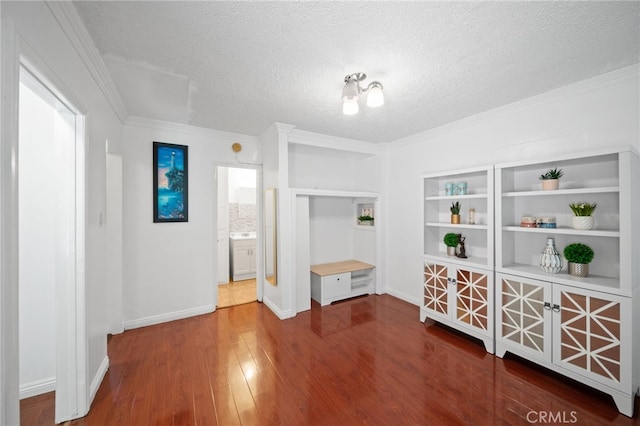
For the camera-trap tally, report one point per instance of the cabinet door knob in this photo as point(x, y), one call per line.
point(547, 306)
point(556, 308)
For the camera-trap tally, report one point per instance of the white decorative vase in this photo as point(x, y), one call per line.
point(550, 259)
point(582, 222)
point(451, 251)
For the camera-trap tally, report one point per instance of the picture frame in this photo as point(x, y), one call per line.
point(170, 182)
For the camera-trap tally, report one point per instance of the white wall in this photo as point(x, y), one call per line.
point(37, 268)
point(331, 229)
point(170, 269)
point(47, 45)
point(595, 113)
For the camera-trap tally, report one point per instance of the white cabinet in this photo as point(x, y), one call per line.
point(459, 291)
point(335, 281)
point(579, 333)
point(460, 297)
point(582, 327)
point(243, 258)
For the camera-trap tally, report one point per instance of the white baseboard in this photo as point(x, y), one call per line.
point(276, 310)
point(403, 296)
point(97, 379)
point(171, 316)
point(37, 387)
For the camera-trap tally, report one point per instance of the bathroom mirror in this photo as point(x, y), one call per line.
point(270, 236)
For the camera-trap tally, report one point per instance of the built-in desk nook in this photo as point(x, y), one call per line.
point(335, 281)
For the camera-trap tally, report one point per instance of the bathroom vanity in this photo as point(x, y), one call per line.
point(242, 249)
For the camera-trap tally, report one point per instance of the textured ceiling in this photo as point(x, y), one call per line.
point(240, 66)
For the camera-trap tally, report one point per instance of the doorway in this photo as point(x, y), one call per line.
point(238, 251)
point(51, 236)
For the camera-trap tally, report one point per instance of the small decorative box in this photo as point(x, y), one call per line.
point(528, 222)
point(547, 222)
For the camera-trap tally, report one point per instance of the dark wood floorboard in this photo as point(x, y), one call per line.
point(366, 361)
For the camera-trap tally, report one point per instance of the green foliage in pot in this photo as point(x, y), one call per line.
point(578, 253)
point(552, 174)
point(455, 208)
point(451, 239)
point(365, 218)
point(583, 209)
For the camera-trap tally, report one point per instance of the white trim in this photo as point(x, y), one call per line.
point(191, 130)
point(171, 316)
point(569, 156)
point(302, 137)
point(97, 379)
point(333, 193)
point(71, 338)
point(71, 23)
point(283, 315)
point(564, 92)
point(37, 387)
point(9, 356)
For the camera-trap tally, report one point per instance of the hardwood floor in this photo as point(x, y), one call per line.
point(237, 293)
point(363, 361)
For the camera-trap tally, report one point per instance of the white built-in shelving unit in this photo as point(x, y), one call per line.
point(580, 327)
point(459, 291)
point(586, 328)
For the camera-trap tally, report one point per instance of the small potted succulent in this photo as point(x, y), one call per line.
point(451, 240)
point(583, 215)
point(455, 212)
point(550, 180)
point(579, 256)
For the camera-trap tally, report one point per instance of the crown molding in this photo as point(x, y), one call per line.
point(191, 130)
point(631, 72)
point(302, 137)
point(71, 23)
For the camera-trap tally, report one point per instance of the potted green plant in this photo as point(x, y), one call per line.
point(365, 220)
point(451, 240)
point(455, 212)
point(583, 215)
point(579, 256)
point(550, 180)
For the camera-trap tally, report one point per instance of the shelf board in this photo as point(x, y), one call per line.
point(592, 282)
point(451, 225)
point(576, 191)
point(471, 261)
point(454, 197)
point(565, 231)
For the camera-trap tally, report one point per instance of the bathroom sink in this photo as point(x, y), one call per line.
point(242, 235)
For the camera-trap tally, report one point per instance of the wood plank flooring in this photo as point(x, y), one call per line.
point(363, 361)
point(236, 293)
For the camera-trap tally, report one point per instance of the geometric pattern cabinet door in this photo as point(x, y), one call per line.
point(524, 317)
point(474, 299)
point(592, 335)
point(460, 297)
point(436, 289)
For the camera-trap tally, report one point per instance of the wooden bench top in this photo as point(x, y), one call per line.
point(334, 268)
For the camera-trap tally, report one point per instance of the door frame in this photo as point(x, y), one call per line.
point(259, 225)
point(72, 391)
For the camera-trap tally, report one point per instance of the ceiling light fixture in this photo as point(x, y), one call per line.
point(352, 92)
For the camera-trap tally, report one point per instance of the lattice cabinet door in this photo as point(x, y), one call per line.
point(592, 335)
point(436, 288)
point(473, 299)
point(524, 317)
